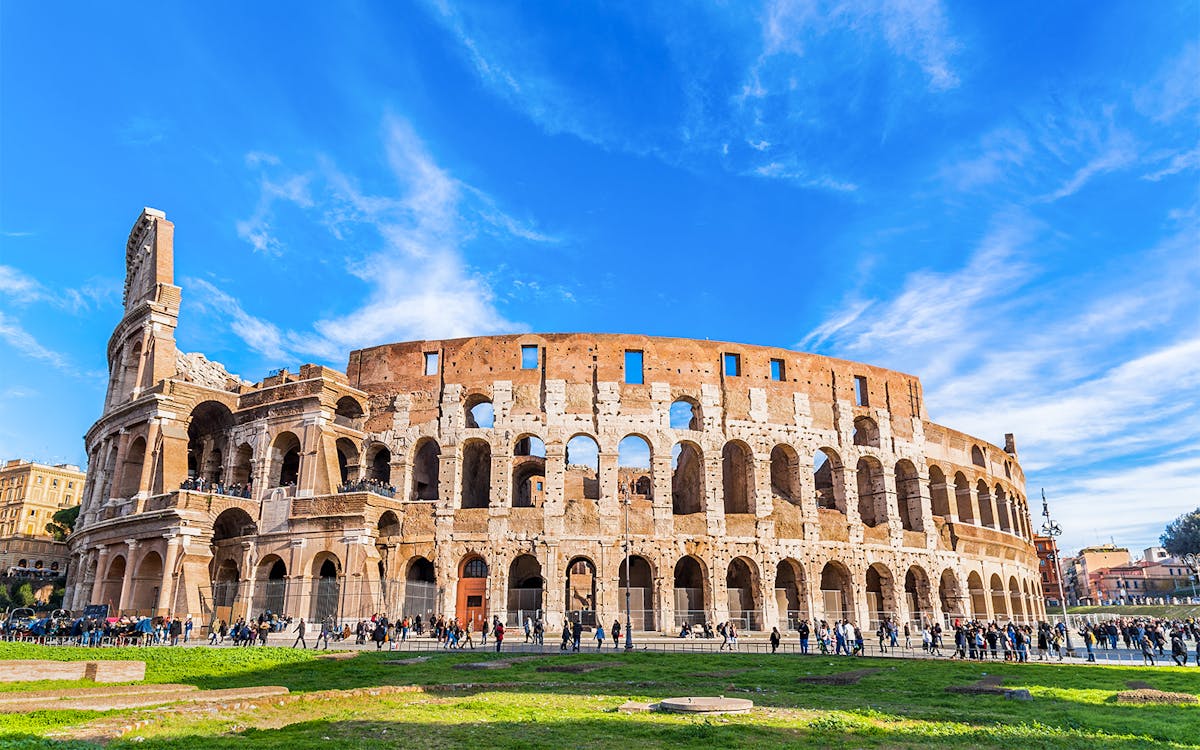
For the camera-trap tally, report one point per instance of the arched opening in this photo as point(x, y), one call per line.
point(737, 477)
point(785, 473)
point(379, 464)
point(476, 474)
point(582, 481)
point(147, 579)
point(131, 471)
point(908, 495)
point(420, 589)
point(285, 451)
point(827, 480)
point(1002, 510)
point(790, 596)
point(225, 581)
point(525, 585)
point(243, 459)
point(939, 495)
point(389, 524)
point(837, 592)
point(1000, 611)
point(962, 498)
point(687, 479)
point(348, 413)
point(741, 587)
point(872, 498)
point(114, 579)
point(271, 590)
point(918, 597)
point(691, 607)
point(347, 458)
point(581, 591)
point(977, 456)
point(880, 595)
point(233, 523)
point(129, 381)
point(1016, 609)
point(987, 516)
point(641, 591)
point(685, 415)
point(208, 428)
point(950, 596)
point(326, 569)
point(978, 596)
point(472, 590)
point(479, 412)
point(633, 465)
point(529, 472)
point(426, 470)
point(866, 432)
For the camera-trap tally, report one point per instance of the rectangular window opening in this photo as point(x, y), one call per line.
point(529, 357)
point(860, 391)
point(733, 365)
point(633, 367)
point(777, 371)
point(431, 363)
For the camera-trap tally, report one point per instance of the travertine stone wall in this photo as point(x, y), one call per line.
point(728, 514)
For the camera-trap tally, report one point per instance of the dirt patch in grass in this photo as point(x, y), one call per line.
point(839, 678)
point(1150, 695)
point(719, 674)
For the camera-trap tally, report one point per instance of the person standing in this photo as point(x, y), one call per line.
point(1178, 649)
point(576, 635)
point(498, 633)
point(299, 631)
point(599, 637)
point(804, 633)
point(566, 636)
point(775, 638)
point(187, 629)
point(616, 633)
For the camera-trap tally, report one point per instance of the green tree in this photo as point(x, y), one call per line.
point(23, 596)
point(63, 523)
point(1183, 534)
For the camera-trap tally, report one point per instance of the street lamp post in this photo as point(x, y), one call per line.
point(626, 500)
point(1051, 529)
point(1193, 564)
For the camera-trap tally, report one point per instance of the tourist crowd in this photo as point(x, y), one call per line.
point(368, 485)
point(200, 484)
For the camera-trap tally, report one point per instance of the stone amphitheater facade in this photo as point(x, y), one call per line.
point(513, 475)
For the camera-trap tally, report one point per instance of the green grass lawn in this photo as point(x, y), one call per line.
point(903, 705)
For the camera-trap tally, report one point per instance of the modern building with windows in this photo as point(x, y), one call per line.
point(502, 476)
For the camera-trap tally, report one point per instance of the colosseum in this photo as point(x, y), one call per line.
point(536, 473)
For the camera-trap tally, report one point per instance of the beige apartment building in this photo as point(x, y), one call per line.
point(30, 494)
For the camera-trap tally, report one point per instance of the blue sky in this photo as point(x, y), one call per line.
point(999, 197)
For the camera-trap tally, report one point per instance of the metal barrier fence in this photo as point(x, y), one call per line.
point(653, 644)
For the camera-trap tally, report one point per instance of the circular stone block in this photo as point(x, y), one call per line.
point(706, 705)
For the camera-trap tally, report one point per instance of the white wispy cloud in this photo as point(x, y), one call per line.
point(417, 281)
point(27, 344)
point(1180, 162)
point(19, 288)
point(1088, 373)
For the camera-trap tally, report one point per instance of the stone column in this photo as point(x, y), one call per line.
point(166, 588)
point(609, 503)
point(101, 572)
point(714, 493)
point(127, 583)
point(249, 574)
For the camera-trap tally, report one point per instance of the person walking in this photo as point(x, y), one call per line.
point(498, 633)
point(1147, 650)
point(599, 637)
point(1089, 640)
point(616, 634)
point(299, 631)
point(576, 634)
point(775, 638)
point(1178, 649)
point(566, 636)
